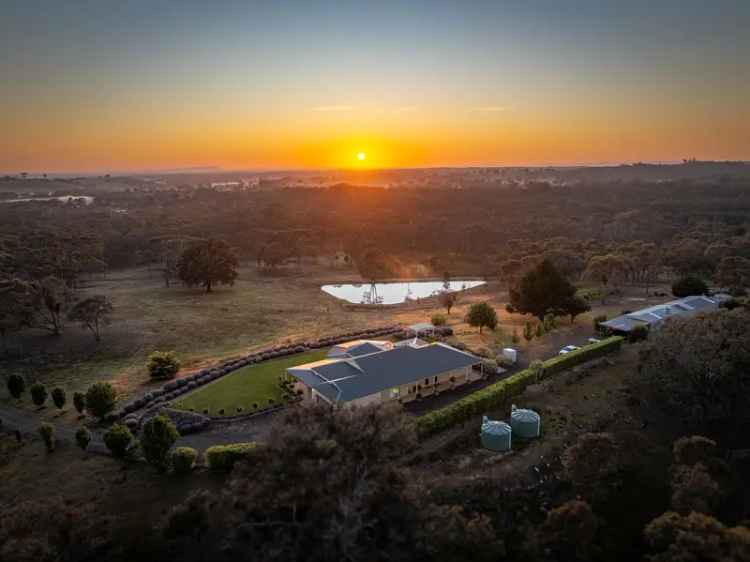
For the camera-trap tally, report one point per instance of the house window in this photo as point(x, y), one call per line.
point(435, 380)
point(426, 382)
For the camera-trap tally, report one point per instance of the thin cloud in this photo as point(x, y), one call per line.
point(407, 108)
point(490, 108)
point(335, 108)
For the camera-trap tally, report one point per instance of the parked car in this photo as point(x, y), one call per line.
point(568, 349)
point(594, 340)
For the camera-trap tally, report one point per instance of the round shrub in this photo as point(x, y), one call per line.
point(157, 437)
point(163, 365)
point(16, 386)
point(221, 412)
point(489, 366)
point(59, 397)
point(439, 320)
point(183, 459)
point(100, 399)
point(38, 393)
point(206, 411)
point(83, 438)
point(271, 401)
point(118, 440)
point(79, 401)
point(688, 286)
point(255, 405)
point(47, 432)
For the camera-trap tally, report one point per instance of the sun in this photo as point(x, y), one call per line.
point(361, 156)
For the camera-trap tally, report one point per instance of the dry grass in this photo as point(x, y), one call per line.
point(259, 310)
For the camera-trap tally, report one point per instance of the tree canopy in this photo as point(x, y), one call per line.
point(92, 313)
point(482, 315)
point(207, 263)
point(689, 285)
point(543, 290)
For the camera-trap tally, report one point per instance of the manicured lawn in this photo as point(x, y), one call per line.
point(246, 386)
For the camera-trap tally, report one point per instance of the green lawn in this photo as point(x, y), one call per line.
point(246, 386)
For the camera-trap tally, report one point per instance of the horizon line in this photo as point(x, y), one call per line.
point(269, 170)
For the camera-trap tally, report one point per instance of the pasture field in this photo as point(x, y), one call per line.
point(259, 310)
point(254, 384)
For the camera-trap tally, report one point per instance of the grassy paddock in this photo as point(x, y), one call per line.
point(243, 387)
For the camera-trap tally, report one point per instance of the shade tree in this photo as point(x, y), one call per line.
point(92, 313)
point(207, 263)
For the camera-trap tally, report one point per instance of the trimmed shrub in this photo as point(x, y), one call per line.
point(47, 432)
point(38, 393)
point(59, 397)
point(16, 386)
point(100, 399)
point(83, 438)
point(439, 320)
point(158, 436)
point(223, 457)
point(163, 365)
point(118, 440)
point(500, 392)
point(79, 401)
point(183, 459)
point(489, 366)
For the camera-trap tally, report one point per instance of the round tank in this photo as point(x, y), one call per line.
point(526, 424)
point(496, 435)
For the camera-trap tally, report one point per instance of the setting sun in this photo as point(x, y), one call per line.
point(361, 156)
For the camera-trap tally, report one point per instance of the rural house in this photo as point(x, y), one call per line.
point(385, 373)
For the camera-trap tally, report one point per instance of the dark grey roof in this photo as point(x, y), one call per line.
point(363, 349)
point(349, 379)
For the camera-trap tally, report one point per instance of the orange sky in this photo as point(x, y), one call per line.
point(92, 88)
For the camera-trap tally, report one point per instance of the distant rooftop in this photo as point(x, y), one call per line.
point(658, 313)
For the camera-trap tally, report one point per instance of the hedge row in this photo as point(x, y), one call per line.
point(591, 351)
point(223, 457)
point(500, 392)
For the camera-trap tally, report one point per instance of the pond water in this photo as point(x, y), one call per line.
point(395, 293)
point(85, 199)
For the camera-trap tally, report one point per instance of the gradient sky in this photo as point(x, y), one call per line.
point(93, 85)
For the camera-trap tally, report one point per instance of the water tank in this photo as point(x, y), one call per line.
point(525, 423)
point(495, 435)
point(510, 354)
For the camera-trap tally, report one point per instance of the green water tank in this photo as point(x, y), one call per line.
point(495, 435)
point(526, 424)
